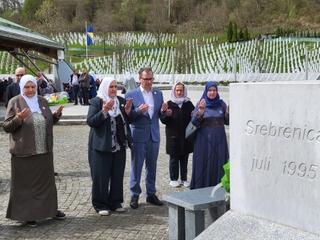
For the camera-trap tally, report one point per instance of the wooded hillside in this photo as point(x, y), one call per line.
point(187, 16)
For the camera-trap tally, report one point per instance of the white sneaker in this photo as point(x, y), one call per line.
point(186, 183)
point(174, 184)
point(120, 210)
point(104, 213)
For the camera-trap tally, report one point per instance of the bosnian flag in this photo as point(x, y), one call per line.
point(89, 33)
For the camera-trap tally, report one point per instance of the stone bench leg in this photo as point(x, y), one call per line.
point(176, 222)
point(194, 223)
point(214, 213)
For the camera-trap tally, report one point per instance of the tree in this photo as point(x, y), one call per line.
point(30, 7)
point(246, 34)
point(157, 19)
point(181, 11)
point(105, 22)
point(47, 17)
point(241, 35)
point(230, 32)
point(235, 33)
point(126, 16)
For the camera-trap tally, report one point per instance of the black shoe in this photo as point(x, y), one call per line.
point(31, 223)
point(60, 216)
point(153, 199)
point(75, 104)
point(134, 202)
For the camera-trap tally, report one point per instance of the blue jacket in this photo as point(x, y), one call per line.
point(142, 127)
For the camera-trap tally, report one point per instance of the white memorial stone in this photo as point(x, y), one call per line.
point(275, 152)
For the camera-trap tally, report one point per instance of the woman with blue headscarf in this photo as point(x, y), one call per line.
point(210, 147)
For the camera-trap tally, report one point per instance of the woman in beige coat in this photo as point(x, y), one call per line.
point(29, 121)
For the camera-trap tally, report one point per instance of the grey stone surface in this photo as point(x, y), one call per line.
point(176, 222)
point(187, 210)
point(74, 196)
point(237, 226)
point(275, 153)
point(195, 199)
point(194, 223)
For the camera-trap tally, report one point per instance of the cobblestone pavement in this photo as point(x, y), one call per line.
point(74, 196)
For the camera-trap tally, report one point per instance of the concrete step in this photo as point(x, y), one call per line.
point(73, 121)
point(73, 116)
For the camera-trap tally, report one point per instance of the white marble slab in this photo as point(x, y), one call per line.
point(275, 152)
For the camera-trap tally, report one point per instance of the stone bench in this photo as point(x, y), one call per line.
point(187, 210)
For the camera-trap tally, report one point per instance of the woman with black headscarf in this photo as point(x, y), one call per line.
point(210, 147)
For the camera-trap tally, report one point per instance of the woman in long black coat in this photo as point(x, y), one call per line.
point(108, 138)
point(176, 118)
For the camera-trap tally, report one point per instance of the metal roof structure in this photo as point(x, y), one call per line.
point(14, 36)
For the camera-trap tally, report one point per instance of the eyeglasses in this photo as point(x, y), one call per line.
point(19, 75)
point(147, 79)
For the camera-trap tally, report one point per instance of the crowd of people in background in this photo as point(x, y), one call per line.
point(82, 87)
point(9, 87)
point(4, 83)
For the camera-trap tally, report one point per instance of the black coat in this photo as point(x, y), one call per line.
point(12, 90)
point(100, 131)
point(176, 124)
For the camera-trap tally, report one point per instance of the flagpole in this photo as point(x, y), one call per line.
point(86, 40)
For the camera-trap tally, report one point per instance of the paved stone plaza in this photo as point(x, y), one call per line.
point(74, 194)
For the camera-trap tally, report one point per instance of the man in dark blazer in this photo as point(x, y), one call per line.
point(144, 118)
point(13, 89)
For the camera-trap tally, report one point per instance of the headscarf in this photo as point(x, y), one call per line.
point(179, 100)
point(32, 102)
point(211, 103)
point(103, 94)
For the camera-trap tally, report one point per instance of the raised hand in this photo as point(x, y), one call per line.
point(168, 112)
point(23, 114)
point(144, 107)
point(58, 111)
point(164, 107)
point(202, 106)
point(107, 105)
point(128, 106)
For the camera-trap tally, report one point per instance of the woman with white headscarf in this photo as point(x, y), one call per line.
point(29, 121)
point(176, 119)
point(108, 139)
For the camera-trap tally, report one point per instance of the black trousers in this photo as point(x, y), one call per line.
point(75, 89)
point(174, 163)
point(85, 95)
point(107, 170)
